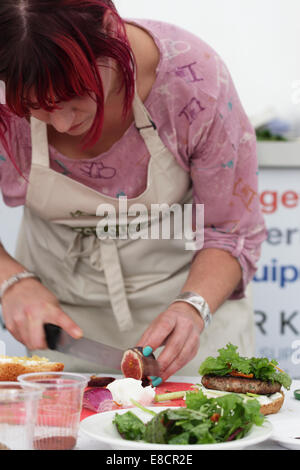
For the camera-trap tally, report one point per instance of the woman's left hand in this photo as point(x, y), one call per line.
point(178, 328)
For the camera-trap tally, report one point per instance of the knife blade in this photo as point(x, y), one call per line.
point(83, 348)
point(93, 351)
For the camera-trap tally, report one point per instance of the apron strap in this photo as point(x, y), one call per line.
point(104, 256)
point(39, 142)
point(115, 284)
point(146, 127)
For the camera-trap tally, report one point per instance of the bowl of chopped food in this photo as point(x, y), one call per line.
point(226, 422)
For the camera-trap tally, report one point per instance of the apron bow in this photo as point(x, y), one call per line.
point(103, 255)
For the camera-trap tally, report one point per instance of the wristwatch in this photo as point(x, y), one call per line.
point(199, 303)
point(13, 280)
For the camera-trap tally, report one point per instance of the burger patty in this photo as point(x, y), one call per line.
point(239, 384)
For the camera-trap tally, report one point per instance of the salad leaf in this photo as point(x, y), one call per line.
point(130, 426)
point(229, 360)
point(155, 430)
point(203, 421)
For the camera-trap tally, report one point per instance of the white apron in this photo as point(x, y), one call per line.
point(113, 289)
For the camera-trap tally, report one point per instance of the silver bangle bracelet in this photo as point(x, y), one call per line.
point(199, 303)
point(13, 280)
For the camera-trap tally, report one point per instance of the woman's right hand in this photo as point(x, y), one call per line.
point(27, 306)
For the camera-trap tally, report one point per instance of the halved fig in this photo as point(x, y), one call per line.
point(135, 365)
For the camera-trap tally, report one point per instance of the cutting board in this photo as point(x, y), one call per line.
point(166, 387)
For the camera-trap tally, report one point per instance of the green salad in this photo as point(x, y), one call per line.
point(229, 361)
point(203, 421)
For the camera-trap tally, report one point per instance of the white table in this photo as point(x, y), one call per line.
point(290, 409)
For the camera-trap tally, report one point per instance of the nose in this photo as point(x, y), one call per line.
point(62, 119)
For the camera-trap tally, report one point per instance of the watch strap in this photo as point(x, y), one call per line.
point(199, 303)
point(13, 280)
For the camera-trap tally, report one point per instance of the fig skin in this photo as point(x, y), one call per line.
point(140, 350)
point(141, 362)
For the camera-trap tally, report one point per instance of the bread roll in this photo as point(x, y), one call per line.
point(12, 367)
point(274, 405)
point(269, 404)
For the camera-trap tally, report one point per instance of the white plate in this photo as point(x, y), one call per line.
point(100, 427)
point(285, 431)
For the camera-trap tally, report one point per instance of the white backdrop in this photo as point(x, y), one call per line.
point(259, 40)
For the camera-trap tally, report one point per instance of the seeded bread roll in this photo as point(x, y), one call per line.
point(274, 406)
point(12, 367)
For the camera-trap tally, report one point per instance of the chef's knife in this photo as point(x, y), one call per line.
point(90, 350)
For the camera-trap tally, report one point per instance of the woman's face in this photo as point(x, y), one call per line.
point(73, 117)
point(76, 116)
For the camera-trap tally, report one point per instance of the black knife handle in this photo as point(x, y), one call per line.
point(52, 333)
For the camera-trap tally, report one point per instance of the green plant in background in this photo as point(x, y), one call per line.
point(264, 134)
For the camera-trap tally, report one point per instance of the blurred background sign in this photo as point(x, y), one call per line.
point(277, 281)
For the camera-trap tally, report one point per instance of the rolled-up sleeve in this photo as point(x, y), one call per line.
point(224, 172)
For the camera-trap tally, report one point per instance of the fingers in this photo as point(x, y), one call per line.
point(19, 333)
point(27, 306)
point(158, 332)
point(179, 333)
point(172, 352)
point(35, 338)
point(16, 324)
point(187, 353)
point(57, 317)
point(60, 318)
point(27, 326)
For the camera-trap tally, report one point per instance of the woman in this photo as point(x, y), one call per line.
point(98, 110)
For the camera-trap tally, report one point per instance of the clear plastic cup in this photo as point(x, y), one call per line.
point(18, 412)
point(59, 409)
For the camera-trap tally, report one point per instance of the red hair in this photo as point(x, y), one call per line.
point(51, 48)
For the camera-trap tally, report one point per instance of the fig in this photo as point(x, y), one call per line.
point(136, 366)
point(96, 381)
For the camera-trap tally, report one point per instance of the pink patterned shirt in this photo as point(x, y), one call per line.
point(199, 117)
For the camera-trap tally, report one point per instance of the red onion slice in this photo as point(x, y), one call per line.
point(98, 399)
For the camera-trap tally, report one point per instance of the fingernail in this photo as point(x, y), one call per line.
point(147, 351)
point(156, 381)
point(78, 333)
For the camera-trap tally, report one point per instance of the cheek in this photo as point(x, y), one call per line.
point(40, 114)
point(92, 108)
point(84, 105)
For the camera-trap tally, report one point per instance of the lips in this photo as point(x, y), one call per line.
point(76, 126)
